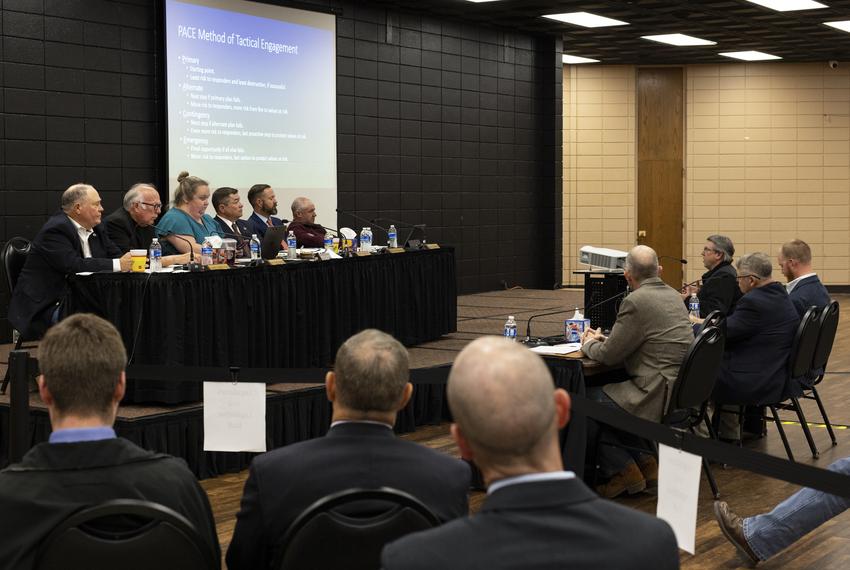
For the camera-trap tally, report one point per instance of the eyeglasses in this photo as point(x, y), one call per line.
point(154, 206)
point(756, 277)
point(709, 250)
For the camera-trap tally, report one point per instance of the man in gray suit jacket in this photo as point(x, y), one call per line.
point(650, 339)
point(536, 516)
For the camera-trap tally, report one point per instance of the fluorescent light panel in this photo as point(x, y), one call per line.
point(789, 5)
point(679, 40)
point(750, 55)
point(481, 1)
point(585, 19)
point(574, 59)
point(843, 25)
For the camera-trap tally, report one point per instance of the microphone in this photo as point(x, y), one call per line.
point(676, 259)
point(528, 339)
point(193, 266)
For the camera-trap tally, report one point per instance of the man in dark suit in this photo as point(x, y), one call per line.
point(804, 287)
point(72, 241)
point(228, 217)
point(507, 414)
point(84, 464)
point(719, 288)
point(262, 199)
point(368, 386)
point(759, 335)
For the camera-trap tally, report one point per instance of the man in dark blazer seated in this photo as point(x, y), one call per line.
point(84, 464)
point(759, 335)
point(262, 199)
point(368, 386)
point(72, 241)
point(228, 214)
point(507, 414)
point(718, 290)
point(804, 286)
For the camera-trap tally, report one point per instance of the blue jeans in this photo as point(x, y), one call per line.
point(794, 517)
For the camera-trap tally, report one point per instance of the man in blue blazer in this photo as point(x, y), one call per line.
point(759, 335)
point(72, 241)
point(804, 287)
point(262, 199)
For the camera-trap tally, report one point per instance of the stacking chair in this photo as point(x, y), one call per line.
point(827, 324)
point(800, 366)
point(12, 258)
point(693, 387)
point(713, 319)
point(349, 529)
point(127, 534)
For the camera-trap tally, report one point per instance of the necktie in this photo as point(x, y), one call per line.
point(236, 229)
point(269, 222)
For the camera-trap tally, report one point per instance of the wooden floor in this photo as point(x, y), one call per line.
point(748, 494)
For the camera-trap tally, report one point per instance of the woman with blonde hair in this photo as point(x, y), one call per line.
point(186, 219)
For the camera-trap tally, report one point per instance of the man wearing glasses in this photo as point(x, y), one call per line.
point(131, 225)
point(719, 290)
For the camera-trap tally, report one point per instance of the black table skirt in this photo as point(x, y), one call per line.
point(291, 316)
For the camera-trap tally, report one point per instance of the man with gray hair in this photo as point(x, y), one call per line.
point(131, 225)
point(507, 413)
point(649, 340)
point(719, 289)
point(72, 241)
point(759, 335)
point(368, 386)
point(304, 226)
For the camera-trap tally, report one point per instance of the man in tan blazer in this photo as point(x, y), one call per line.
point(649, 340)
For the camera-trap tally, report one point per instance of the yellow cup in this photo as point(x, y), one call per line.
point(139, 256)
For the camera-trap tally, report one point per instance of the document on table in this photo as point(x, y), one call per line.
point(678, 493)
point(234, 416)
point(558, 349)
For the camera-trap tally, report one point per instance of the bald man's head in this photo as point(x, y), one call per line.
point(642, 263)
point(501, 397)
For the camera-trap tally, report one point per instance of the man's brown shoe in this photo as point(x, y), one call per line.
point(648, 466)
point(628, 480)
point(733, 528)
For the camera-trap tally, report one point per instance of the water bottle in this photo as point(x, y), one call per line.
point(510, 328)
point(693, 305)
point(255, 247)
point(206, 253)
point(365, 240)
point(155, 254)
point(329, 242)
point(292, 244)
point(392, 237)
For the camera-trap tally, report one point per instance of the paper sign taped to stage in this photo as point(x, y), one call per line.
point(678, 493)
point(234, 416)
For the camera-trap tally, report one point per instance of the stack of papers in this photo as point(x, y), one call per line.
point(560, 349)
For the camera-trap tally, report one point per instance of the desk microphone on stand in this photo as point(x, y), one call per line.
point(529, 341)
point(193, 265)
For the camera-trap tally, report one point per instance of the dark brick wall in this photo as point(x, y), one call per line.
point(439, 122)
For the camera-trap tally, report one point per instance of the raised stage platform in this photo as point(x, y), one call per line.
point(296, 406)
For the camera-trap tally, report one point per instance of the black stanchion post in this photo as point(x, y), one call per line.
point(19, 405)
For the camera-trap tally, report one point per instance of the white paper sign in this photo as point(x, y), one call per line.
point(678, 493)
point(234, 416)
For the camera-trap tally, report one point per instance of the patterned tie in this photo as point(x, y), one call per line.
point(269, 222)
point(236, 229)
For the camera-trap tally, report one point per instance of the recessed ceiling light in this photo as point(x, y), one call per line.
point(585, 19)
point(680, 40)
point(789, 5)
point(573, 59)
point(481, 1)
point(843, 25)
point(750, 55)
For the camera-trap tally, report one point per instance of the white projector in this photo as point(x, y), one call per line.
point(602, 257)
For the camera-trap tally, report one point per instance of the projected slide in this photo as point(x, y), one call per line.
point(252, 98)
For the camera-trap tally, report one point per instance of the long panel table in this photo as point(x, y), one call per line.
point(290, 316)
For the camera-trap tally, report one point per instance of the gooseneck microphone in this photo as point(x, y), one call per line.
point(193, 266)
point(676, 259)
point(529, 340)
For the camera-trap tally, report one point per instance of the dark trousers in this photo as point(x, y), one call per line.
point(616, 449)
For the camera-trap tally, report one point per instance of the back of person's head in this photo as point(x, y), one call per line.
point(501, 398)
point(758, 264)
point(134, 194)
point(81, 359)
point(74, 194)
point(722, 244)
point(797, 250)
point(221, 194)
point(255, 192)
point(187, 187)
point(641, 263)
point(371, 371)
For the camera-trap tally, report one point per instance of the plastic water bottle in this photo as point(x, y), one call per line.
point(292, 244)
point(255, 247)
point(155, 254)
point(693, 305)
point(329, 242)
point(392, 236)
point(206, 253)
point(510, 328)
point(365, 240)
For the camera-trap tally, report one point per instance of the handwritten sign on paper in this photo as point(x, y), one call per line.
point(234, 416)
point(678, 492)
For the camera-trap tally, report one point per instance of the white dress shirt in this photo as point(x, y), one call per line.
point(84, 236)
point(530, 478)
point(791, 284)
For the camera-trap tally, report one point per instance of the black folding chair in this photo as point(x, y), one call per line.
point(692, 389)
point(349, 529)
point(713, 319)
point(127, 534)
point(800, 366)
point(828, 325)
point(12, 259)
